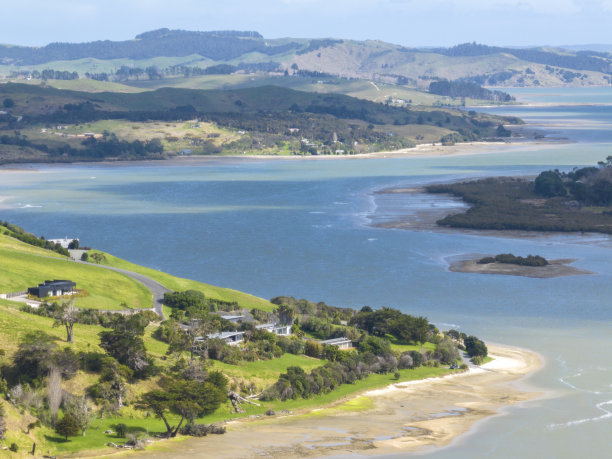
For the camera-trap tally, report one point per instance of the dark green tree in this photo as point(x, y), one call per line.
point(475, 347)
point(187, 399)
point(549, 184)
point(67, 427)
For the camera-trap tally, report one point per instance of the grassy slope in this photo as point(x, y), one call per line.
point(362, 89)
point(107, 289)
point(177, 283)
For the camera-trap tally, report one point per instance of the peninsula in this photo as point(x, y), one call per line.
point(130, 371)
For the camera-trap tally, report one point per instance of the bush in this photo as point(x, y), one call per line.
point(14, 447)
point(121, 430)
point(137, 440)
point(201, 430)
point(313, 349)
point(475, 347)
point(477, 360)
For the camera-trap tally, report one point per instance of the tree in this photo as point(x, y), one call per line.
point(475, 347)
point(79, 409)
point(67, 315)
point(34, 356)
point(84, 257)
point(189, 299)
point(67, 427)
point(128, 349)
point(54, 393)
point(286, 314)
point(74, 244)
point(549, 184)
point(187, 399)
point(446, 351)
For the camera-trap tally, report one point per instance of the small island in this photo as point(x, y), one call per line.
point(508, 264)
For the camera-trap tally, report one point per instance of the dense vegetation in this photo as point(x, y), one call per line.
point(588, 185)
point(265, 117)
point(467, 89)
point(511, 259)
point(580, 200)
point(219, 45)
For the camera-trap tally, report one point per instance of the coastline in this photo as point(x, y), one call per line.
point(421, 150)
point(400, 418)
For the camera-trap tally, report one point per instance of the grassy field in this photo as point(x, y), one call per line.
point(174, 136)
point(177, 283)
point(413, 347)
point(9, 243)
point(107, 289)
point(264, 373)
point(360, 88)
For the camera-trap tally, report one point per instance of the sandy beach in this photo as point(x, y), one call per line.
point(401, 418)
point(422, 150)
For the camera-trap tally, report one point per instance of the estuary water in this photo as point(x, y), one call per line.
point(303, 228)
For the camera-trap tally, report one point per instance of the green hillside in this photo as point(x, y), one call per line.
point(58, 125)
point(165, 53)
point(23, 266)
point(113, 389)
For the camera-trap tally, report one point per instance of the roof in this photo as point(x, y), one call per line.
point(56, 283)
point(336, 341)
point(224, 335)
point(228, 317)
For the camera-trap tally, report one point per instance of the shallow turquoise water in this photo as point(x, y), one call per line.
point(301, 228)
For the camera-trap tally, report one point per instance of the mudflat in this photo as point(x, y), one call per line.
point(555, 268)
point(402, 417)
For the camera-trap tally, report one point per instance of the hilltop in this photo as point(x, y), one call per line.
point(166, 54)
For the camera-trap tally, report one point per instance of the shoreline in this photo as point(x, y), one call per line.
point(403, 417)
point(421, 151)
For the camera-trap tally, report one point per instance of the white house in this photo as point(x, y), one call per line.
point(231, 338)
point(277, 329)
point(342, 343)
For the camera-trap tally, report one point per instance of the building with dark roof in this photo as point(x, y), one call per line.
point(57, 287)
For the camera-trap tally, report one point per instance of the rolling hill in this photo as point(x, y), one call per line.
point(165, 54)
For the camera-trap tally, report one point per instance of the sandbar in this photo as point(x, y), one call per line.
point(401, 418)
point(555, 268)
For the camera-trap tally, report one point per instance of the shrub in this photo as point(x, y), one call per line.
point(14, 447)
point(477, 360)
point(313, 349)
point(137, 440)
point(121, 430)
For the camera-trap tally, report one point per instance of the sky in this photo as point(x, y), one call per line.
point(405, 22)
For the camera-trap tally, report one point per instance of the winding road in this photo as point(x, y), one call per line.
point(156, 289)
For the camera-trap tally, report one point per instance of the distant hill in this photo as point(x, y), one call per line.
point(54, 125)
point(164, 54)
